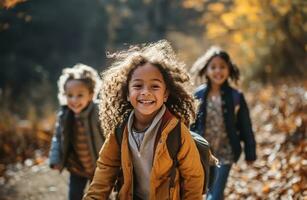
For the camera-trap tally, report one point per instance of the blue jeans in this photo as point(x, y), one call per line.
point(76, 186)
point(216, 191)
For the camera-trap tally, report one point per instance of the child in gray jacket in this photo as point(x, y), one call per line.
point(78, 136)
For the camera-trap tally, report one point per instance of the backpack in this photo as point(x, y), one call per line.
point(207, 160)
point(173, 143)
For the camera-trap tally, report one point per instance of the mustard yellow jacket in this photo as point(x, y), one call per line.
point(189, 174)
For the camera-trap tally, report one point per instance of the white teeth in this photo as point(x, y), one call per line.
point(145, 102)
point(219, 77)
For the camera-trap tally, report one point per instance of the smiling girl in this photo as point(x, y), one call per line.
point(148, 85)
point(223, 115)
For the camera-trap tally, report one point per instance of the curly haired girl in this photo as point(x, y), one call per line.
point(78, 136)
point(147, 86)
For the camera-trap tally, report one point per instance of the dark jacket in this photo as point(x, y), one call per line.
point(61, 141)
point(236, 118)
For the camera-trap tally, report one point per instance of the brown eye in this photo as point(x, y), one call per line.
point(212, 67)
point(137, 86)
point(223, 67)
point(156, 86)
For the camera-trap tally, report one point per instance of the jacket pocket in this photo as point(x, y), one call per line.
point(165, 192)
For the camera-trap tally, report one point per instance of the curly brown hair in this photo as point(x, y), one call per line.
point(114, 106)
point(84, 73)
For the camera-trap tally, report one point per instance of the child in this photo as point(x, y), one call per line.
point(78, 136)
point(148, 85)
point(223, 116)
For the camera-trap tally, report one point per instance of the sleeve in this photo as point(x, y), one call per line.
point(245, 130)
point(108, 165)
point(55, 148)
point(190, 166)
point(194, 125)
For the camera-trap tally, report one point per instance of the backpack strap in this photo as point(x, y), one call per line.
point(119, 132)
point(173, 143)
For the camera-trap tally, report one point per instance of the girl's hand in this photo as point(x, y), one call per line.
point(55, 166)
point(213, 160)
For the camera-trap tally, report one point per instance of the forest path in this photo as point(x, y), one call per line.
point(35, 183)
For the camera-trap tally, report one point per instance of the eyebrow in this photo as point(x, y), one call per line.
point(154, 79)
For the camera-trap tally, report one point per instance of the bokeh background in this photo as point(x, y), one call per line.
point(266, 38)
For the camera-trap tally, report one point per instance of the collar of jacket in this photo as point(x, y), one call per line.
point(201, 94)
point(228, 115)
point(84, 113)
point(169, 121)
point(166, 118)
point(224, 86)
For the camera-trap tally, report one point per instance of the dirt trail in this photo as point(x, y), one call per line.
point(34, 183)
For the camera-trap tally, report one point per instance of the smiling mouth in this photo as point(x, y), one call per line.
point(76, 107)
point(148, 102)
point(219, 77)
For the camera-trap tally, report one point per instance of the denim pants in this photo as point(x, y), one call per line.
point(76, 187)
point(216, 191)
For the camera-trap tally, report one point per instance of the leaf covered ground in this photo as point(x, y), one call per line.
point(279, 115)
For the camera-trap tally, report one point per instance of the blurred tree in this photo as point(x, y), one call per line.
point(9, 3)
point(267, 36)
point(40, 37)
point(140, 21)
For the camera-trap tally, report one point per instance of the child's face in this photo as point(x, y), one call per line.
point(147, 91)
point(78, 95)
point(217, 71)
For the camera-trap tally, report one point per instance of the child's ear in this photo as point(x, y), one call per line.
point(128, 99)
point(166, 96)
point(91, 96)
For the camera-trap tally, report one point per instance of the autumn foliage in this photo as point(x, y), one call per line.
point(22, 139)
point(9, 3)
point(279, 115)
point(267, 38)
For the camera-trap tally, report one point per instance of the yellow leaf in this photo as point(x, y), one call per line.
point(238, 37)
point(196, 4)
point(266, 189)
point(229, 19)
point(215, 30)
point(216, 7)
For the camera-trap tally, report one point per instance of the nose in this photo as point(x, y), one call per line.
point(74, 99)
point(145, 91)
point(219, 69)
